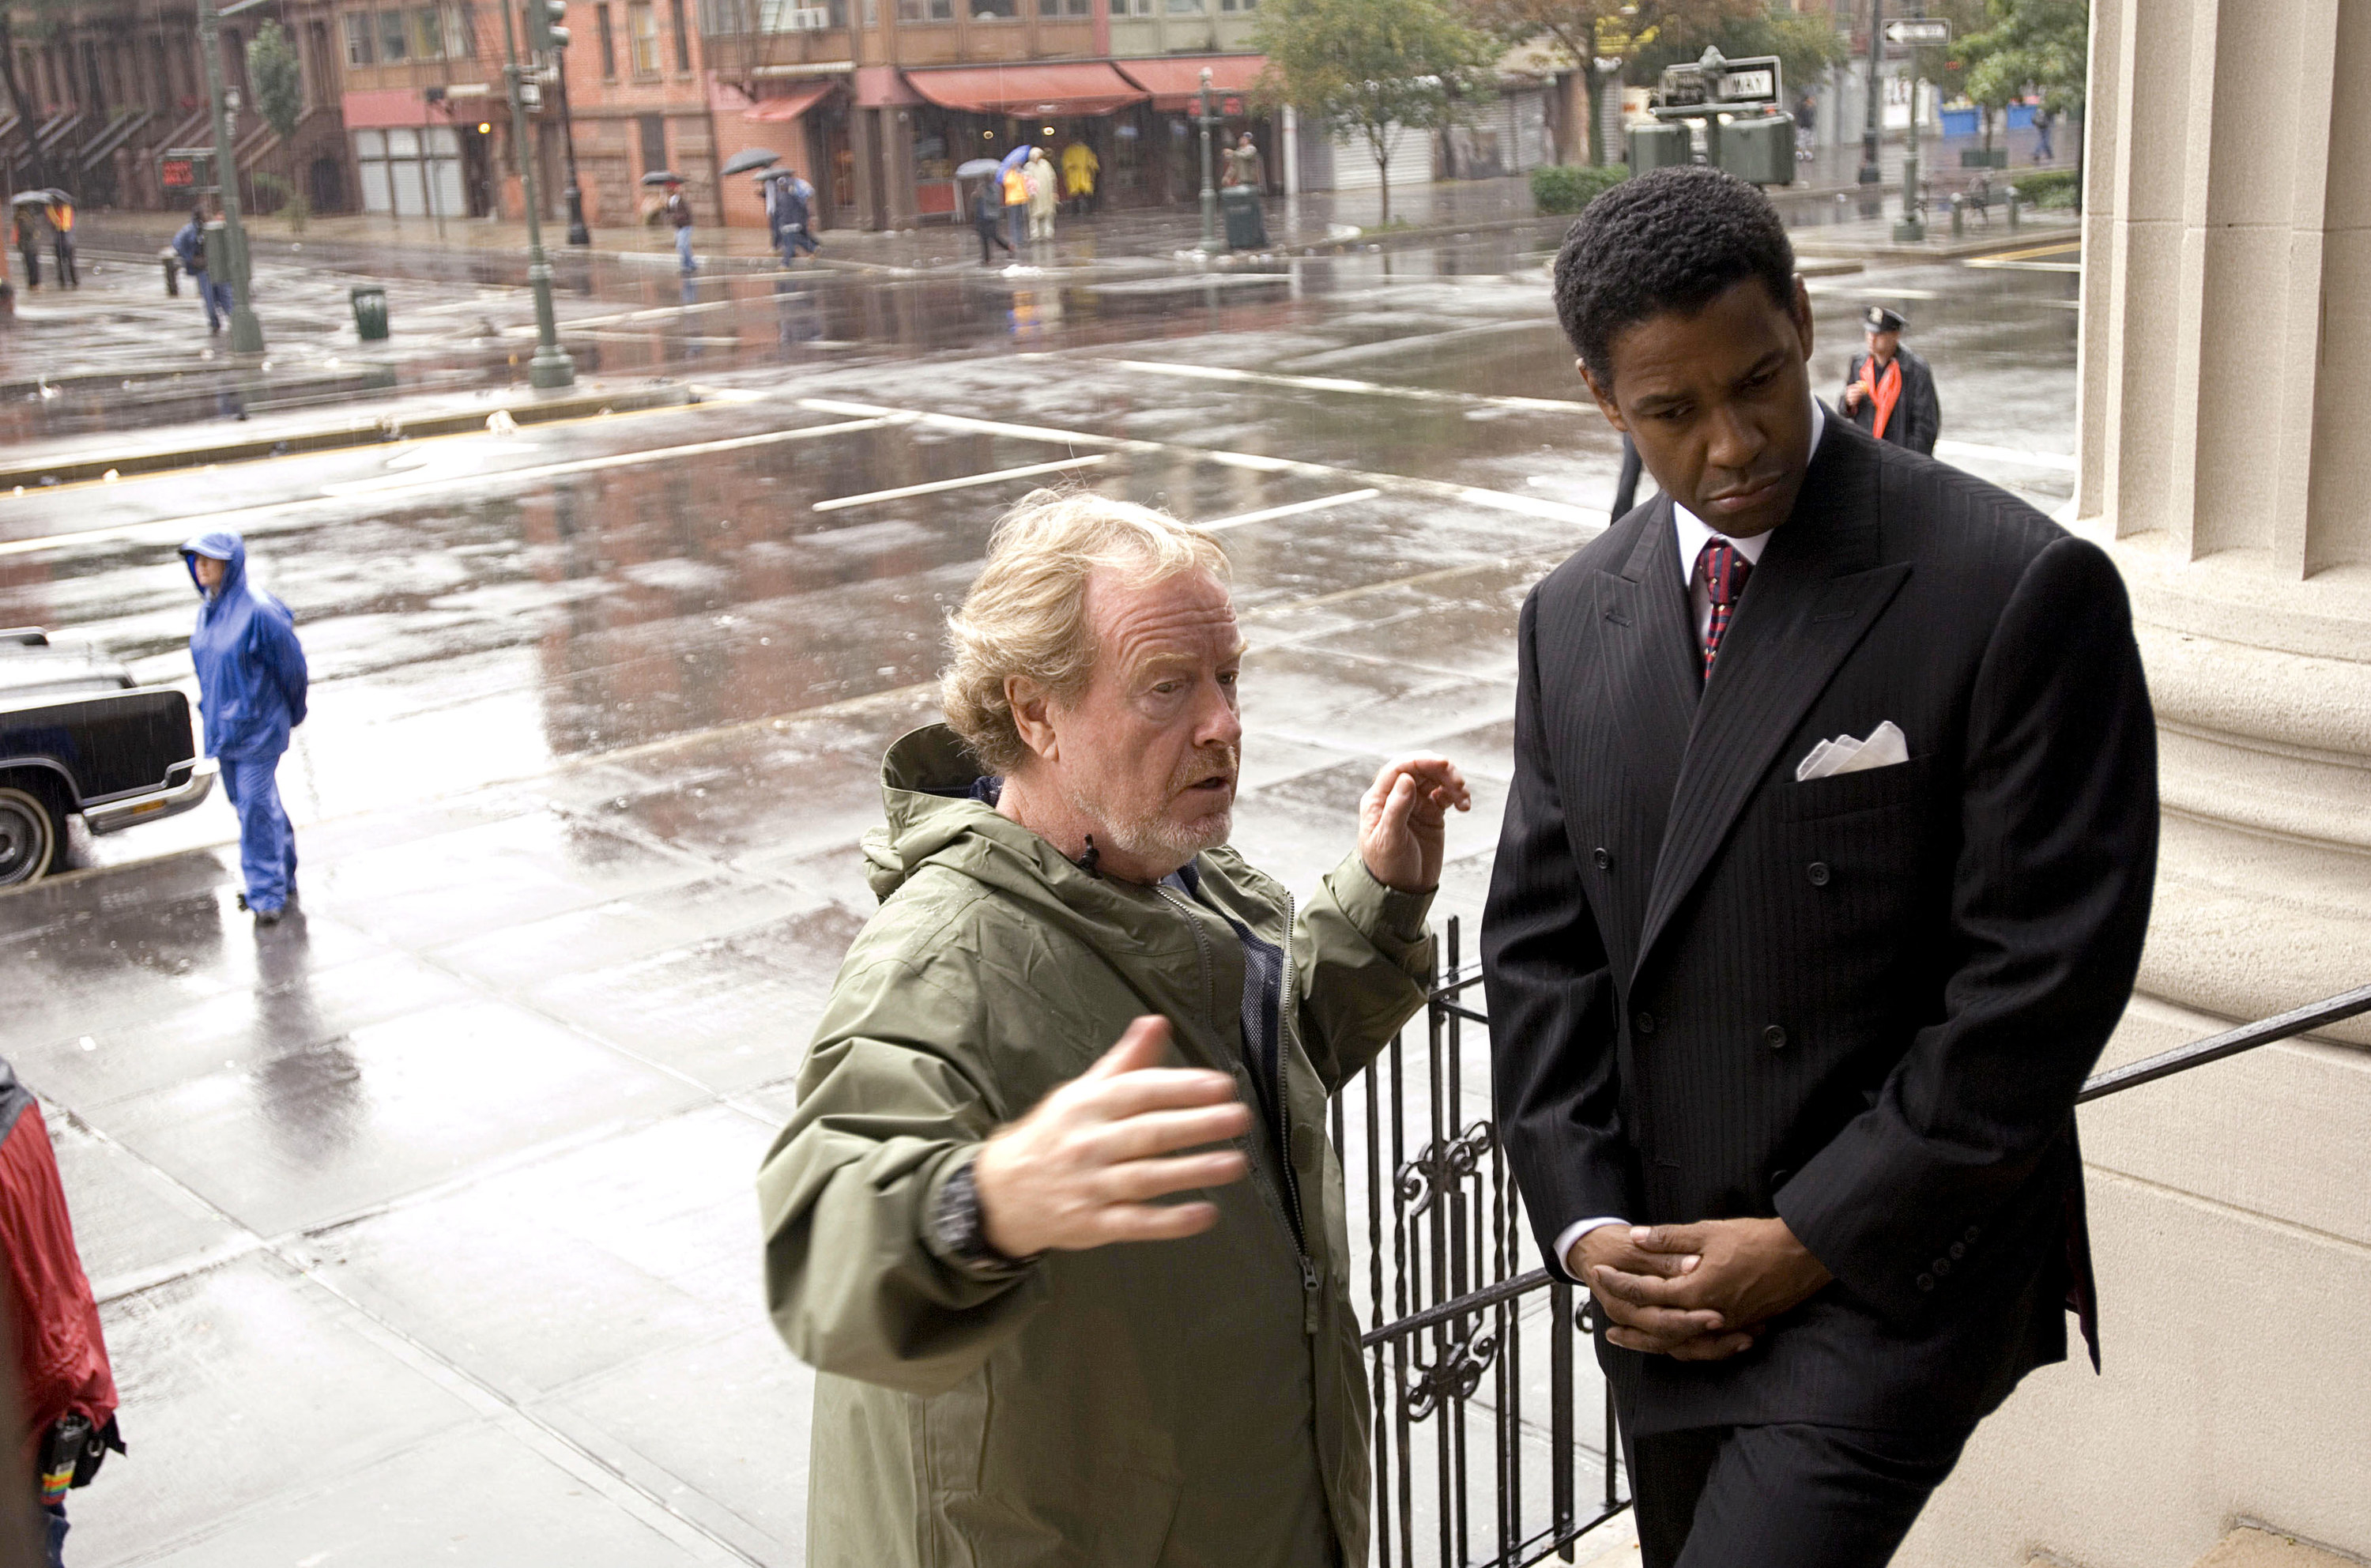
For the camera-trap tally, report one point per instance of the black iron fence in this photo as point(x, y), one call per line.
point(1482, 1455)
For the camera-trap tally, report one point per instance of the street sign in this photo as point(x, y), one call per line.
point(1918, 31)
point(185, 171)
point(1715, 86)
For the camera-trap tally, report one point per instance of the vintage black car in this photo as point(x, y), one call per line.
point(77, 735)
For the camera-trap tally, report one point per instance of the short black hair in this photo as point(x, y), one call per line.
point(1670, 240)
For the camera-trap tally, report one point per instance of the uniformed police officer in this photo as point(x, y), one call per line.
point(1888, 391)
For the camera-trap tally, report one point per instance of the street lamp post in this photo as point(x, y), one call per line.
point(245, 332)
point(577, 233)
point(550, 367)
point(1871, 122)
point(1210, 191)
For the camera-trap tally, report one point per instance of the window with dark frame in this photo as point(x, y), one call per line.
point(394, 39)
point(359, 41)
point(608, 43)
point(682, 37)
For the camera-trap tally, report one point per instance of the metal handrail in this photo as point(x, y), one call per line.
point(2230, 1043)
point(2182, 1058)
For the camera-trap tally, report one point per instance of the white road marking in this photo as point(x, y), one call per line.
point(2057, 461)
point(289, 514)
point(1293, 510)
point(1340, 383)
point(868, 497)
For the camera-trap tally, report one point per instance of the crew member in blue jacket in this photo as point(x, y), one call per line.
point(252, 689)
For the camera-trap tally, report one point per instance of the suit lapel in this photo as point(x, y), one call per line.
point(1646, 649)
point(1816, 589)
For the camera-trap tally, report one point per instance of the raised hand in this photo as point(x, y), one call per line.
point(1401, 820)
point(1078, 1170)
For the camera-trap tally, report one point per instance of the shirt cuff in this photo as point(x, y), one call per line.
point(1574, 1232)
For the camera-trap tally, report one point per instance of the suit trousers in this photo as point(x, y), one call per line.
point(267, 844)
point(1789, 1495)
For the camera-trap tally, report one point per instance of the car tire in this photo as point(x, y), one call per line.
point(32, 836)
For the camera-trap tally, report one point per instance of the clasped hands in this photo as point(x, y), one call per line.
point(1700, 1292)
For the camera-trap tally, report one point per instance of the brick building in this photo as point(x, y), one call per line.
point(101, 89)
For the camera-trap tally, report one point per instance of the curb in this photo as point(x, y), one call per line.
point(71, 470)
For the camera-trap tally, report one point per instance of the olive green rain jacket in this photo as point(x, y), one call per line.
point(1173, 1402)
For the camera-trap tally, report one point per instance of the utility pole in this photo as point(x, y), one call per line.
point(1210, 191)
point(551, 367)
point(245, 332)
point(577, 233)
point(1873, 121)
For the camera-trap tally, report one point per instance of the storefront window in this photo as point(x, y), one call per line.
point(994, 10)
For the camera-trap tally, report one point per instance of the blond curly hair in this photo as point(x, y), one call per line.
point(1026, 614)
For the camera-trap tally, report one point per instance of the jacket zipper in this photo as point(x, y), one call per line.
point(1284, 1041)
point(1283, 1106)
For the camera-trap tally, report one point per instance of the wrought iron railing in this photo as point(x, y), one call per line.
point(1466, 1472)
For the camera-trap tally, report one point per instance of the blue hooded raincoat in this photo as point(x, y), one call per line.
point(251, 685)
point(251, 678)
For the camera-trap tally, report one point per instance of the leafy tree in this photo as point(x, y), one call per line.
point(1591, 30)
point(278, 80)
point(1380, 68)
point(2032, 43)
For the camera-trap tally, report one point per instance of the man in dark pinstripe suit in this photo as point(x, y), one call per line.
point(1823, 883)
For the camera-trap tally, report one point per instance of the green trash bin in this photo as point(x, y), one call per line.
point(1760, 150)
point(1246, 230)
point(1663, 145)
point(370, 312)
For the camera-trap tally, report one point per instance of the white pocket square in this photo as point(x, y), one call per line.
point(1885, 747)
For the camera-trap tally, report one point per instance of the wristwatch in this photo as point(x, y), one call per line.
point(959, 1231)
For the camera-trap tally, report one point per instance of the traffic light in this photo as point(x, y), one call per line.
point(543, 29)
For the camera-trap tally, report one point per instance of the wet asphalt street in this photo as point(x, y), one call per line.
point(424, 1223)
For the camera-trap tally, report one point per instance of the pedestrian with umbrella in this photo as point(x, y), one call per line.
point(987, 203)
point(22, 236)
point(678, 213)
point(1016, 194)
point(61, 214)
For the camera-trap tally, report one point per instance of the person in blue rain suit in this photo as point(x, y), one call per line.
point(252, 685)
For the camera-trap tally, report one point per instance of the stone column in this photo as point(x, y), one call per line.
point(2225, 435)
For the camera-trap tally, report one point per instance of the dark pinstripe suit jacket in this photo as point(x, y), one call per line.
point(1865, 1002)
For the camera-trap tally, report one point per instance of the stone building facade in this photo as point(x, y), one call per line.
point(2225, 464)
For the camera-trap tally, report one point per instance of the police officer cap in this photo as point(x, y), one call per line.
point(1877, 318)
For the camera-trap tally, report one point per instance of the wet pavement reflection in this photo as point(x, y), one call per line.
point(444, 1183)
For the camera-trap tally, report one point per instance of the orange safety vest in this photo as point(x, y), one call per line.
point(1016, 187)
point(1883, 393)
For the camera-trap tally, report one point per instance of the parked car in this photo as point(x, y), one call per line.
point(79, 735)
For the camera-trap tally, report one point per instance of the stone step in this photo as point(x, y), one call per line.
point(2248, 1547)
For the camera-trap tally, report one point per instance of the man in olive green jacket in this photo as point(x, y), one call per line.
point(1025, 1359)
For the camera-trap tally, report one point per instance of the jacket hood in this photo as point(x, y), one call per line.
point(927, 788)
point(222, 547)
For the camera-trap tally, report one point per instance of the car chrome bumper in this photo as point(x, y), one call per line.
point(171, 801)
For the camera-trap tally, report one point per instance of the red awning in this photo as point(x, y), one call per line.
point(1176, 82)
point(1086, 87)
point(792, 104)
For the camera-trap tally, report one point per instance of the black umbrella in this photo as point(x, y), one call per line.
point(748, 158)
point(662, 177)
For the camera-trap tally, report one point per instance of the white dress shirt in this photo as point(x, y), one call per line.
point(1692, 532)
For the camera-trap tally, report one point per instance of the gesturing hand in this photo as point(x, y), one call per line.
point(1078, 1169)
point(1400, 819)
point(1732, 1275)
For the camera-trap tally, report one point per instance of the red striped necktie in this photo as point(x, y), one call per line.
point(1722, 567)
